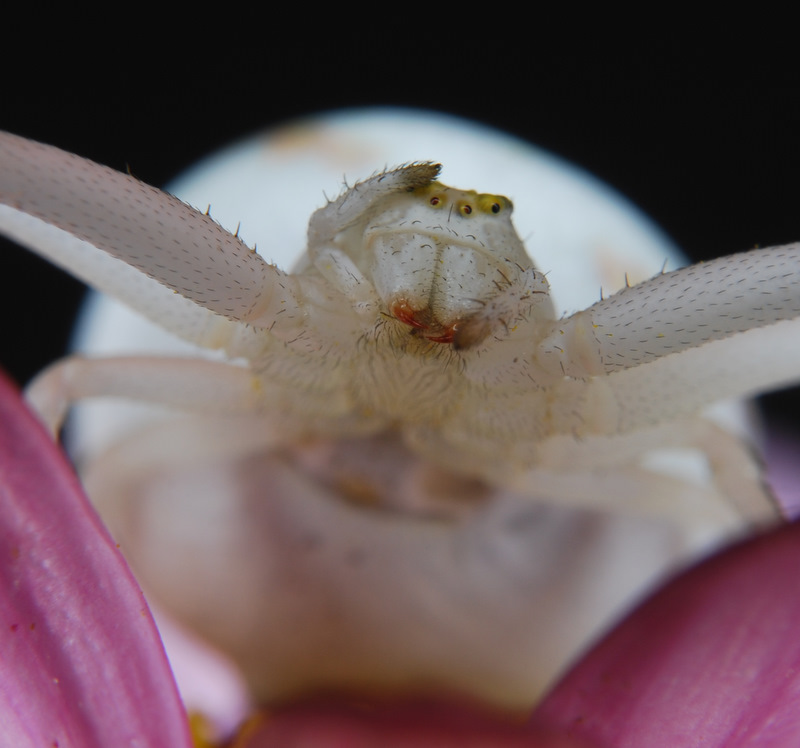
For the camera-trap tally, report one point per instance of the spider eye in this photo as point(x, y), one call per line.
point(493, 204)
point(435, 201)
point(465, 209)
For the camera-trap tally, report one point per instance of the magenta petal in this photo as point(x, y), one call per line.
point(81, 662)
point(713, 659)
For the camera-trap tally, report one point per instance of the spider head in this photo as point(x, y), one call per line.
point(438, 255)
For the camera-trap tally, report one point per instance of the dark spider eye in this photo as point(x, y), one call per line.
point(492, 203)
point(435, 201)
point(467, 209)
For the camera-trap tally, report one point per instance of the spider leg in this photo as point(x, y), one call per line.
point(679, 385)
point(107, 228)
point(342, 274)
point(351, 205)
point(737, 471)
point(495, 343)
point(675, 312)
point(186, 383)
point(656, 471)
point(522, 303)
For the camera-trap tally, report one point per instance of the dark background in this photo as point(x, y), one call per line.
point(703, 140)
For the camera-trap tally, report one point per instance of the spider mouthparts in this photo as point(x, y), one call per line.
point(460, 333)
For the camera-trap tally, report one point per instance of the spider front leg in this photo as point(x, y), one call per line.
point(677, 311)
point(144, 246)
point(674, 344)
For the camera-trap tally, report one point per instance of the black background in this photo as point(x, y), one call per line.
point(704, 140)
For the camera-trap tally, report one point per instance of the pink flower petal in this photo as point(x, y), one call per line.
point(336, 725)
point(713, 659)
point(81, 662)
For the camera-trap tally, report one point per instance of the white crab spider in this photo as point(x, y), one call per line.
point(338, 358)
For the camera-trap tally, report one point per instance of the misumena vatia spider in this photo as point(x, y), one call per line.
point(413, 363)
